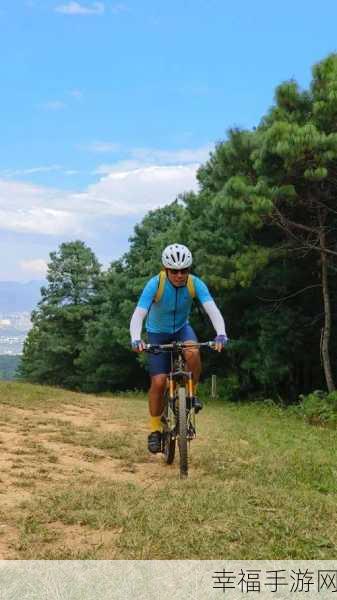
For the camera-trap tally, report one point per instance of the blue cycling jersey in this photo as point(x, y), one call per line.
point(172, 311)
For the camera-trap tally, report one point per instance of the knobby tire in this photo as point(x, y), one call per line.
point(169, 439)
point(183, 450)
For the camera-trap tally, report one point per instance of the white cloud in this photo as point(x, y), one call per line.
point(75, 8)
point(148, 180)
point(134, 192)
point(34, 267)
point(54, 105)
point(168, 157)
point(5, 323)
point(142, 157)
point(101, 147)
point(121, 165)
point(39, 220)
point(30, 171)
point(41, 169)
point(139, 158)
point(76, 94)
point(25, 208)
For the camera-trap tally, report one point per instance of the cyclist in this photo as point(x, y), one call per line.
point(166, 301)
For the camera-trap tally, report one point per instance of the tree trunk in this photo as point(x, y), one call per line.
point(326, 331)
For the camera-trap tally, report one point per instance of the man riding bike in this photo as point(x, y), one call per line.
point(166, 300)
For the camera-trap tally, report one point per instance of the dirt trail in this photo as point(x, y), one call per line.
point(42, 448)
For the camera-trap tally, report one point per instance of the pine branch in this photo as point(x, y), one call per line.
point(308, 287)
point(286, 225)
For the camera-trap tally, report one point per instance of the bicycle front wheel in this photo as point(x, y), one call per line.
point(169, 442)
point(182, 440)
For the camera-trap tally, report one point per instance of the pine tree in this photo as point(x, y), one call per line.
point(67, 306)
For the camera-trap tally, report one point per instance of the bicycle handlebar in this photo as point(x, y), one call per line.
point(156, 348)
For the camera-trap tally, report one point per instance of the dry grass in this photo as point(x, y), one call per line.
point(77, 482)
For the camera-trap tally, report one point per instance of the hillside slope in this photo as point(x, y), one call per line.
point(77, 482)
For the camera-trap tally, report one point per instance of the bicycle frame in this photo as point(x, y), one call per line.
point(179, 415)
point(178, 374)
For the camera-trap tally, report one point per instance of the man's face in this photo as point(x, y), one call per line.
point(177, 277)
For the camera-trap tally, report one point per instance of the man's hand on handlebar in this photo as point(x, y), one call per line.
point(220, 342)
point(138, 346)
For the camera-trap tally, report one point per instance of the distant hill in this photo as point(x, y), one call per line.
point(19, 297)
point(8, 367)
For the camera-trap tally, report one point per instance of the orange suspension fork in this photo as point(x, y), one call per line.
point(171, 387)
point(190, 386)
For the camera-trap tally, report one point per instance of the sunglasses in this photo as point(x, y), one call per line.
point(176, 271)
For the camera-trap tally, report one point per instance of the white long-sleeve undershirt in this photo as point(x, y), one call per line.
point(210, 307)
point(215, 317)
point(136, 323)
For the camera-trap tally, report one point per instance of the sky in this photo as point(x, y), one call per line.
point(108, 108)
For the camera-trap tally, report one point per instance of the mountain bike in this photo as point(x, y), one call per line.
point(178, 417)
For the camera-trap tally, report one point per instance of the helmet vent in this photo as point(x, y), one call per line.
point(176, 256)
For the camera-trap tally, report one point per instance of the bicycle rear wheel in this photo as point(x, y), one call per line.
point(169, 441)
point(182, 440)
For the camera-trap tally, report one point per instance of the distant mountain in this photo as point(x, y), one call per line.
point(19, 297)
point(8, 367)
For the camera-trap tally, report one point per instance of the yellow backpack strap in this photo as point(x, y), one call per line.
point(161, 285)
point(190, 286)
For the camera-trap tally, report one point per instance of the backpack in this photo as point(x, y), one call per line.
point(161, 285)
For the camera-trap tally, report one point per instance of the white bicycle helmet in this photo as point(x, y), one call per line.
point(176, 256)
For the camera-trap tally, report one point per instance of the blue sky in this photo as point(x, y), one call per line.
point(108, 108)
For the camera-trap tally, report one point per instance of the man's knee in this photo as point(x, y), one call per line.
point(191, 353)
point(158, 382)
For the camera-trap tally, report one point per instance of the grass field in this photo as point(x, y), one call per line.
point(77, 482)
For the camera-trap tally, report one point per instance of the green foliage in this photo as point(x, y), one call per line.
point(68, 304)
point(227, 389)
point(318, 408)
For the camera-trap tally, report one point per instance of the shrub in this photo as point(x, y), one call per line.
point(318, 408)
point(227, 389)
